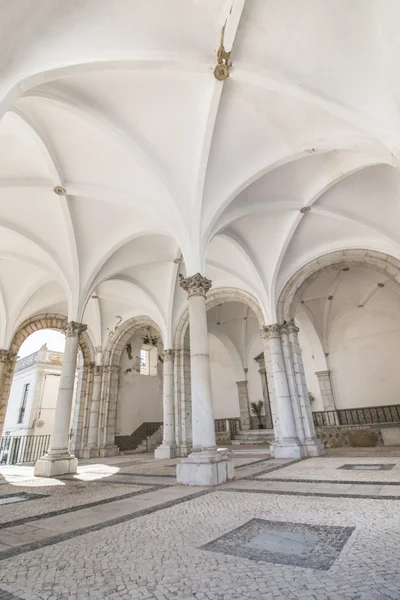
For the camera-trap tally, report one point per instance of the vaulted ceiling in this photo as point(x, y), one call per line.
point(165, 168)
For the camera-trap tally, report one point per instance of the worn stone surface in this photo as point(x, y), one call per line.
point(159, 548)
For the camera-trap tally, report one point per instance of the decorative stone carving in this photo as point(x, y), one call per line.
point(168, 355)
point(75, 329)
point(7, 355)
point(196, 285)
point(271, 331)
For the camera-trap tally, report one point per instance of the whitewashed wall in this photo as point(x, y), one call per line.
point(364, 358)
point(20, 379)
point(224, 388)
point(139, 396)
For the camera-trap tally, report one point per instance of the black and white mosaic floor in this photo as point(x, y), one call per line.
point(283, 529)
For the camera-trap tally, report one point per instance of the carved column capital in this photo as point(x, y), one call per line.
point(98, 369)
point(7, 355)
point(196, 285)
point(292, 328)
point(75, 329)
point(271, 331)
point(168, 355)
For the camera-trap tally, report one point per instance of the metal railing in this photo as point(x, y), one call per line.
point(227, 426)
point(358, 416)
point(21, 449)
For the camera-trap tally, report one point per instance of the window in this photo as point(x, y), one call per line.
point(144, 362)
point(148, 361)
point(23, 403)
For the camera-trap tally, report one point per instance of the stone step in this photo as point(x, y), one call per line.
point(254, 436)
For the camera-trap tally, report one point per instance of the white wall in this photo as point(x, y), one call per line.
point(224, 388)
point(254, 386)
point(310, 367)
point(364, 357)
point(139, 396)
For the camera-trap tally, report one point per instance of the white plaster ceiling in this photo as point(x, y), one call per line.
point(117, 103)
point(327, 299)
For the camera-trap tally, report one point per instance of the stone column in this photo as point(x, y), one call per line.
point(260, 360)
point(168, 447)
point(244, 405)
point(325, 384)
point(58, 460)
point(7, 363)
point(109, 411)
point(92, 447)
point(287, 444)
point(292, 383)
point(314, 446)
point(204, 466)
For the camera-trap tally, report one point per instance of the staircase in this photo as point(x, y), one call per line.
point(254, 437)
point(145, 438)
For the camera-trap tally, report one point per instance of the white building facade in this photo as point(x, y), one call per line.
point(33, 394)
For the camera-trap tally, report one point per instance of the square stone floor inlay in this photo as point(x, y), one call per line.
point(279, 542)
point(368, 467)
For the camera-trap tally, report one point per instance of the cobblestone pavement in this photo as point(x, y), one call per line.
point(232, 542)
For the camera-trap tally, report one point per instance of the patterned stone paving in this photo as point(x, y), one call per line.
point(171, 542)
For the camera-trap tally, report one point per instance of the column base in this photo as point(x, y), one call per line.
point(204, 468)
point(288, 449)
point(111, 450)
point(51, 466)
point(166, 451)
point(184, 449)
point(314, 447)
point(90, 452)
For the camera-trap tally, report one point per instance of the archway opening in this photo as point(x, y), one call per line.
point(32, 399)
point(139, 406)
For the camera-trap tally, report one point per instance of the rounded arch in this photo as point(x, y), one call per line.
point(117, 341)
point(24, 330)
point(214, 298)
point(305, 275)
point(50, 321)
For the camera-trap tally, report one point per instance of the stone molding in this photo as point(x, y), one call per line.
point(196, 285)
point(75, 329)
point(325, 373)
point(269, 332)
point(168, 355)
point(335, 260)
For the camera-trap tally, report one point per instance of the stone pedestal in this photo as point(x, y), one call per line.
point(58, 460)
point(203, 468)
point(168, 447)
point(52, 465)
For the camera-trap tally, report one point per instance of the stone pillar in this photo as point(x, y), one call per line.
point(109, 411)
point(58, 460)
point(262, 369)
point(314, 446)
point(292, 383)
point(244, 405)
point(7, 364)
point(287, 444)
point(204, 466)
point(325, 384)
point(168, 447)
point(92, 447)
point(184, 401)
